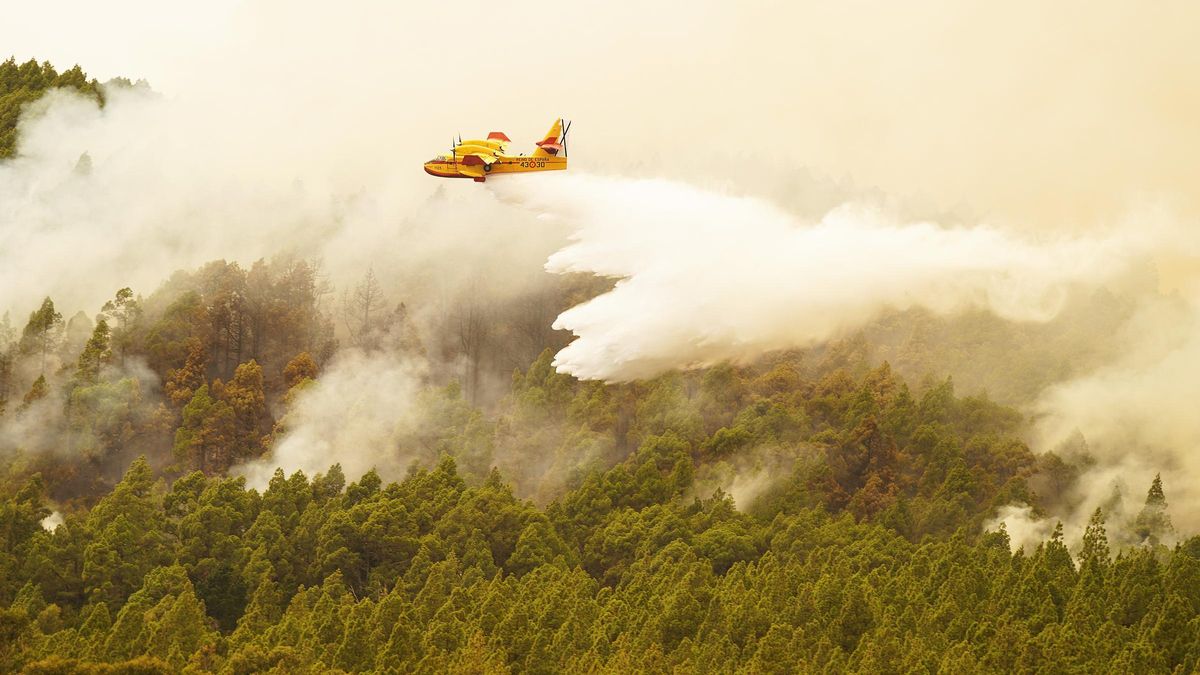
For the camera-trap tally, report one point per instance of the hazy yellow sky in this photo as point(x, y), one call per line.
point(1051, 115)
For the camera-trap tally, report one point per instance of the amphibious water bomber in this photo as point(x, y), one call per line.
point(479, 158)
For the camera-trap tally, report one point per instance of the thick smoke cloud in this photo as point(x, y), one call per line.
point(285, 126)
point(356, 415)
point(1138, 415)
point(299, 126)
point(163, 188)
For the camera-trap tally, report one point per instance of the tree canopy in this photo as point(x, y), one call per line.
point(831, 509)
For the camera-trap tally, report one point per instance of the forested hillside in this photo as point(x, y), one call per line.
point(830, 509)
point(856, 543)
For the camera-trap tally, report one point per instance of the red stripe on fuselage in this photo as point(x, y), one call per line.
point(440, 174)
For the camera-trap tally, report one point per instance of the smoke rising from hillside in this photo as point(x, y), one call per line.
point(300, 127)
point(154, 196)
point(1138, 415)
point(703, 277)
point(354, 415)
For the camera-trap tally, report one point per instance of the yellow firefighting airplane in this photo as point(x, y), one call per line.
point(478, 159)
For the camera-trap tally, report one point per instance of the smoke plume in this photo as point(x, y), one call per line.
point(155, 196)
point(299, 127)
point(1138, 415)
point(356, 415)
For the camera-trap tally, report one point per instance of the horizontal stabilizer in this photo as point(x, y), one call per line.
point(550, 145)
point(499, 136)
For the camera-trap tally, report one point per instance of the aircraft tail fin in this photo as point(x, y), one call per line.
point(550, 145)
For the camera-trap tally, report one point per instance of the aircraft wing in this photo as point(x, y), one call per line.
point(473, 165)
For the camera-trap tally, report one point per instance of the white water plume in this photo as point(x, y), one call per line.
point(704, 277)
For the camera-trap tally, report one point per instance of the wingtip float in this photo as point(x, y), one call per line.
point(479, 158)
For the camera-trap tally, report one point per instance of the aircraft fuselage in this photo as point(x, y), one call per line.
point(449, 167)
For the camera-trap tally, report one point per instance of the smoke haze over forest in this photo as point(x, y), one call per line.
point(806, 254)
point(1079, 166)
point(748, 185)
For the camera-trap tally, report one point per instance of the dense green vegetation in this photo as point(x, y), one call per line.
point(816, 511)
point(22, 83)
point(621, 575)
point(863, 549)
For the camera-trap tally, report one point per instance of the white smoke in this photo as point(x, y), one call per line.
point(151, 201)
point(355, 415)
point(1138, 415)
point(42, 426)
point(169, 184)
point(1025, 529)
point(750, 474)
point(299, 126)
point(52, 521)
point(704, 277)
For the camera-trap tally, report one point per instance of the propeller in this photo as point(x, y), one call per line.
point(565, 129)
point(454, 152)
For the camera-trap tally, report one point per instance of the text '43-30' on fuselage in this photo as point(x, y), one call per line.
point(478, 159)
